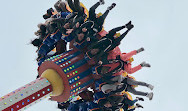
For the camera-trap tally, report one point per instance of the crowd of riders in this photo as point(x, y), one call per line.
point(69, 21)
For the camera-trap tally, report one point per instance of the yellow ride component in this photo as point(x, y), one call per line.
point(121, 109)
point(131, 59)
point(85, 9)
point(117, 35)
point(78, 98)
point(54, 50)
point(99, 14)
point(129, 96)
point(56, 81)
point(68, 8)
point(124, 74)
point(131, 107)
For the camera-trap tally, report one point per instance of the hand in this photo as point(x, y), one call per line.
point(77, 24)
point(66, 26)
point(84, 30)
point(88, 39)
point(100, 62)
point(69, 31)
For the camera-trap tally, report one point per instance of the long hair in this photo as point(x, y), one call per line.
point(36, 42)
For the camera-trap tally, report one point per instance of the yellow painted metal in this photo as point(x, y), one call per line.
point(55, 80)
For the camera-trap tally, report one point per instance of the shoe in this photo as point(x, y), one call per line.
point(49, 11)
point(129, 25)
point(144, 64)
point(150, 96)
point(139, 106)
point(101, 2)
point(140, 50)
point(150, 86)
point(46, 16)
point(111, 7)
point(140, 99)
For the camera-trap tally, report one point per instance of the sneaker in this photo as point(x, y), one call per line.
point(144, 64)
point(150, 86)
point(150, 96)
point(111, 7)
point(140, 50)
point(140, 99)
point(129, 25)
point(139, 106)
point(101, 2)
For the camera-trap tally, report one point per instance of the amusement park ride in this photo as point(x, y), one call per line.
point(62, 76)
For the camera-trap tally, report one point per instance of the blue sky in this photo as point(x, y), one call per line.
point(160, 27)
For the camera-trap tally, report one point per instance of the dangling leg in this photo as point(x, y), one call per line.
point(118, 40)
point(100, 20)
point(135, 92)
point(56, 5)
point(128, 68)
point(92, 14)
point(62, 5)
point(79, 9)
point(107, 11)
point(127, 56)
point(129, 26)
point(71, 5)
point(131, 81)
point(113, 31)
point(122, 36)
